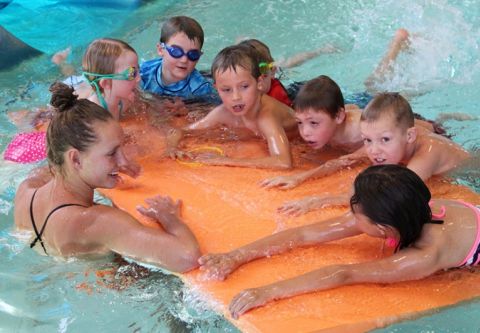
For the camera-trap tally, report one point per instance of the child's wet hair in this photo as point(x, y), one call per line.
point(236, 56)
point(393, 196)
point(185, 24)
point(72, 123)
point(320, 94)
point(264, 54)
point(390, 103)
point(101, 55)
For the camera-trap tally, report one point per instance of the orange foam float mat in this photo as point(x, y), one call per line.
point(226, 208)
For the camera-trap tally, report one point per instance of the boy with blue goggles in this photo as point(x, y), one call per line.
point(174, 73)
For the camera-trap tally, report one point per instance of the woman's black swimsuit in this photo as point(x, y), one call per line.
point(39, 235)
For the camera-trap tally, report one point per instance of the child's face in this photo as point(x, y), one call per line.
point(177, 69)
point(385, 141)
point(239, 90)
point(316, 127)
point(125, 90)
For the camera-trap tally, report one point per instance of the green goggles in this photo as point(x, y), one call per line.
point(265, 67)
point(129, 74)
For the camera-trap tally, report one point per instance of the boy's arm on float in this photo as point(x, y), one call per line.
point(279, 150)
point(327, 168)
point(175, 135)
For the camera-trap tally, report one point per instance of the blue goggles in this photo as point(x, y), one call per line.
point(177, 52)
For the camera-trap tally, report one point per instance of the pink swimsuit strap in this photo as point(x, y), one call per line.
point(474, 248)
point(443, 211)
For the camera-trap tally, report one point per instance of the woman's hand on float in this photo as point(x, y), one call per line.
point(163, 209)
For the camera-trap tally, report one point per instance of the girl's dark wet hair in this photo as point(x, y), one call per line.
point(321, 94)
point(72, 123)
point(393, 196)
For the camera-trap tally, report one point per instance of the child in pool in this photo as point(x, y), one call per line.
point(390, 136)
point(111, 70)
point(174, 73)
point(389, 202)
point(324, 120)
point(237, 78)
point(268, 68)
point(84, 153)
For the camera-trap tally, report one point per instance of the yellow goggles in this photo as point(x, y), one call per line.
point(265, 67)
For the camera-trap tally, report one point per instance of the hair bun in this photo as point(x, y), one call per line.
point(63, 97)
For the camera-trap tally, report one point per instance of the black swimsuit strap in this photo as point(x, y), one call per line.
point(32, 244)
point(39, 234)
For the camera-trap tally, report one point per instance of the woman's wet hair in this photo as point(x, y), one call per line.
point(72, 123)
point(101, 55)
point(320, 94)
point(389, 103)
point(236, 56)
point(393, 196)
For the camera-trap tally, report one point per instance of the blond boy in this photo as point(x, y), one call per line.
point(390, 136)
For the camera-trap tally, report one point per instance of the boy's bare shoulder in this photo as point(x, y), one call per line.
point(272, 107)
point(435, 145)
point(432, 140)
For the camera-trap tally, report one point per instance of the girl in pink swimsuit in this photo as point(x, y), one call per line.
point(389, 202)
point(111, 69)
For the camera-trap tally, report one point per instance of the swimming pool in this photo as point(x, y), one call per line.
point(43, 295)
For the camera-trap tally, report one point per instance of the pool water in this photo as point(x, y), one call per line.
point(40, 294)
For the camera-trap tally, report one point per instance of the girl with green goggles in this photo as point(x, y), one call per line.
point(128, 74)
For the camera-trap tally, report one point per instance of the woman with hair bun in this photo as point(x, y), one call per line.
point(84, 148)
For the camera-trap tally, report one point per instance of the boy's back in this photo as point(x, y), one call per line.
point(435, 154)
